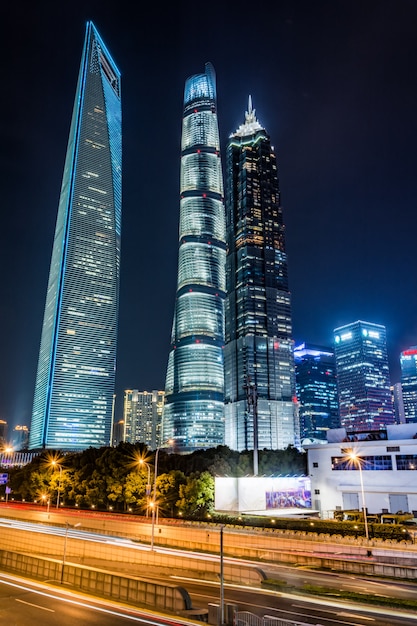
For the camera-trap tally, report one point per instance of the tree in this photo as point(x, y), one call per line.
point(197, 496)
point(168, 491)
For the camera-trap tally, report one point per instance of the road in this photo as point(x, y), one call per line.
point(261, 602)
point(317, 612)
point(23, 602)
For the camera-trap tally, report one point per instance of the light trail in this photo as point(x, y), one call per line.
point(145, 618)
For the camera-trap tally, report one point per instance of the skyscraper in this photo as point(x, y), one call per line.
point(259, 364)
point(142, 415)
point(408, 361)
point(194, 391)
point(74, 392)
point(316, 385)
point(363, 376)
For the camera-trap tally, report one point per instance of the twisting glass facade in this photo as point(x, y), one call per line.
point(363, 378)
point(74, 391)
point(194, 391)
point(259, 364)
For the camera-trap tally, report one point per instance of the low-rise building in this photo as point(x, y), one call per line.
point(365, 469)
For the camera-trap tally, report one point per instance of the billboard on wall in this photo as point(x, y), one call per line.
point(289, 493)
point(262, 494)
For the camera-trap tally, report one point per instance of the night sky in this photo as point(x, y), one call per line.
point(333, 82)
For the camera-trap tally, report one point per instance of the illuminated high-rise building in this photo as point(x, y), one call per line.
point(20, 437)
point(259, 364)
point(193, 412)
point(74, 394)
point(363, 376)
point(142, 416)
point(3, 433)
point(316, 385)
point(408, 361)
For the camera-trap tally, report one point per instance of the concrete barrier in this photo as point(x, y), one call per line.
point(135, 591)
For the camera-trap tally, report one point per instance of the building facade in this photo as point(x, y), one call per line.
point(398, 403)
point(408, 360)
point(193, 414)
point(387, 460)
point(259, 365)
point(316, 387)
point(20, 437)
point(3, 433)
point(142, 417)
point(74, 393)
point(363, 376)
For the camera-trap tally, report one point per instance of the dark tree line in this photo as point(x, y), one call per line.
point(122, 478)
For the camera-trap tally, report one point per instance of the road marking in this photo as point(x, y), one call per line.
point(371, 619)
point(38, 606)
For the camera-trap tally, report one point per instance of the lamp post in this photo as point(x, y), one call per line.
point(54, 464)
point(153, 503)
point(358, 461)
point(48, 502)
point(221, 577)
point(67, 526)
point(148, 485)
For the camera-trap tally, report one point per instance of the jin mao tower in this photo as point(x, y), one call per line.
point(194, 390)
point(74, 393)
point(259, 363)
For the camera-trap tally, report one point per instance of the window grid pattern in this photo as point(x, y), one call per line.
point(258, 330)
point(74, 391)
point(406, 461)
point(194, 389)
point(368, 463)
point(363, 376)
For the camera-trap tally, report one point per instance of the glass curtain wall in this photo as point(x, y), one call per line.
point(259, 364)
point(74, 393)
point(194, 391)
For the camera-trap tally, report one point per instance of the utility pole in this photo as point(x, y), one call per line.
point(252, 401)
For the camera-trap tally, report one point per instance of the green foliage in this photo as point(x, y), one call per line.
point(316, 590)
point(112, 476)
point(168, 491)
point(196, 497)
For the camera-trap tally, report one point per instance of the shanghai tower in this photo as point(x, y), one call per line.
point(259, 364)
point(74, 392)
point(194, 391)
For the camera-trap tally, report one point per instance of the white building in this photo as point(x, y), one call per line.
point(142, 416)
point(381, 478)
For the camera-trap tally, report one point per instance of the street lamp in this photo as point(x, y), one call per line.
point(153, 503)
point(358, 461)
point(148, 485)
point(54, 464)
point(67, 526)
point(221, 577)
point(48, 502)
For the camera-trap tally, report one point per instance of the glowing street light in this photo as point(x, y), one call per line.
point(148, 485)
point(357, 460)
point(54, 464)
point(48, 502)
point(153, 502)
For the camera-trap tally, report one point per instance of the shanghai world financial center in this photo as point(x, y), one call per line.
point(74, 390)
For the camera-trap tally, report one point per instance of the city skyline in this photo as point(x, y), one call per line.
point(334, 85)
